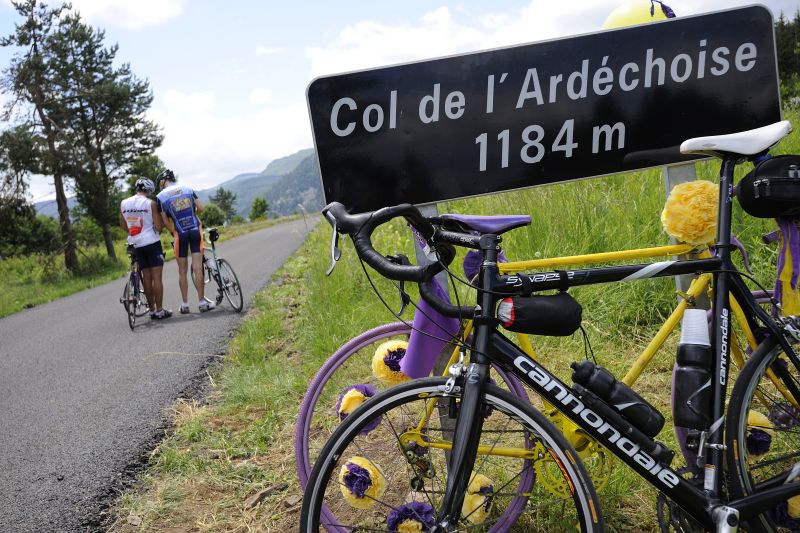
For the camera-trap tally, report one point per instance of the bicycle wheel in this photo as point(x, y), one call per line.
point(763, 432)
point(142, 307)
point(230, 285)
point(384, 468)
point(349, 365)
point(129, 296)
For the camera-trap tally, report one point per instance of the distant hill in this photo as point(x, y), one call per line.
point(286, 183)
point(50, 209)
point(300, 186)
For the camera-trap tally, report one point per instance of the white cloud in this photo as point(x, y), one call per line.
point(269, 50)
point(260, 96)
point(205, 147)
point(127, 14)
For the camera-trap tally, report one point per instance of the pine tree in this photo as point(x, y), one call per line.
point(30, 80)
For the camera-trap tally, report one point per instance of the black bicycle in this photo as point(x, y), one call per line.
point(222, 273)
point(133, 297)
point(459, 453)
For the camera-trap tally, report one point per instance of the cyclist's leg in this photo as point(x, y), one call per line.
point(763, 431)
point(195, 241)
point(386, 464)
point(181, 254)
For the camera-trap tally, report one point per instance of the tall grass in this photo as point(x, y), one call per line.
point(303, 316)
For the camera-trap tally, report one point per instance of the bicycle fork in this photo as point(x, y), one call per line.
point(466, 438)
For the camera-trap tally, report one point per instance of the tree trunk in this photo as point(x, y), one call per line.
point(109, 239)
point(67, 239)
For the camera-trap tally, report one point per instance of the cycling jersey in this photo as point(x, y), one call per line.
point(138, 214)
point(177, 201)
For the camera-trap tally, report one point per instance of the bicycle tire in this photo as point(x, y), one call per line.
point(508, 498)
point(131, 299)
point(322, 387)
point(230, 285)
point(761, 424)
point(142, 307)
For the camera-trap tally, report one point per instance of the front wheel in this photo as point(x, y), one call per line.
point(131, 299)
point(763, 432)
point(230, 285)
point(385, 469)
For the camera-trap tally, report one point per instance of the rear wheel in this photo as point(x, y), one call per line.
point(230, 285)
point(763, 432)
point(348, 366)
point(384, 468)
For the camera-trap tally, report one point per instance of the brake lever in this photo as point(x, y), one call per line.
point(405, 299)
point(336, 253)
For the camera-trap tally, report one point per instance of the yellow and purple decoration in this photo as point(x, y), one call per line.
point(414, 517)
point(478, 501)
point(690, 214)
point(361, 483)
point(352, 397)
point(786, 289)
point(386, 362)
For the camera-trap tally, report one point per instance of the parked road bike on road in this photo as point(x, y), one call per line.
point(392, 463)
point(218, 269)
point(133, 297)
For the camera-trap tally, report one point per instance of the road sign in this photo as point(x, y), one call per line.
point(541, 113)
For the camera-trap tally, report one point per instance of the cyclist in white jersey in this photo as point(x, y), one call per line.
point(138, 216)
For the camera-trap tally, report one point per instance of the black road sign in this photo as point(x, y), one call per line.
point(544, 112)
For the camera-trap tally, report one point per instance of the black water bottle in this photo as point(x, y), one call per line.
point(625, 400)
point(691, 399)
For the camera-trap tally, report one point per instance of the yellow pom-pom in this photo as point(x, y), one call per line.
point(690, 214)
point(350, 401)
point(756, 420)
point(632, 14)
point(793, 506)
point(409, 526)
point(386, 362)
point(361, 483)
point(478, 500)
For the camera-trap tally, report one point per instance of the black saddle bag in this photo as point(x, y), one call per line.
point(772, 188)
point(556, 315)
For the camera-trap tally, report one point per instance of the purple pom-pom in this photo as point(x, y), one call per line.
point(357, 480)
point(668, 12)
point(472, 263)
point(418, 511)
point(784, 416)
point(758, 442)
point(393, 357)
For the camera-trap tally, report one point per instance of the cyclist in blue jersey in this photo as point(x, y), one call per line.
point(179, 206)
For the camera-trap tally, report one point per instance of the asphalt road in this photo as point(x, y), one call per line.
point(83, 397)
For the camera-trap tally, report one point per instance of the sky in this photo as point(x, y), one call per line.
point(229, 78)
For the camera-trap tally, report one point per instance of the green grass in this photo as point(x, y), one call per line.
point(27, 281)
point(240, 442)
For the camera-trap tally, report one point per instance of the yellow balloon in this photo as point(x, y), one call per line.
point(633, 13)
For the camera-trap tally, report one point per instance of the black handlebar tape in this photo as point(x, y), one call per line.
point(360, 228)
point(447, 309)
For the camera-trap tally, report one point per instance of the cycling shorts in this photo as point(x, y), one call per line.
point(150, 255)
point(191, 240)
